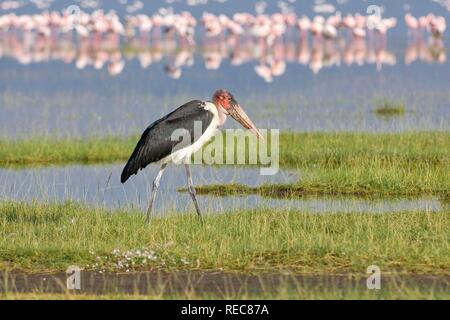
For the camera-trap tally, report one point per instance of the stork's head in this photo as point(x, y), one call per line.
point(225, 103)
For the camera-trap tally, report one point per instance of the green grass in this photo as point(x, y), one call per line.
point(49, 237)
point(388, 108)
point(46, 151)
point(401, 164)
point(407, 164)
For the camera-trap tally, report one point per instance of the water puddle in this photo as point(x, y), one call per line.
point(100, 185)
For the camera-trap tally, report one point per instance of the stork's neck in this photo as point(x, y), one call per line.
point(222, 115)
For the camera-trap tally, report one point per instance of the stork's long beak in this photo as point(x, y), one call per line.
point(240, 116)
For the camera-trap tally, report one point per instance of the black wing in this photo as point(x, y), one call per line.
point(156, 142)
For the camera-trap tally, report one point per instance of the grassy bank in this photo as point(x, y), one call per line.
point(48, 237)
point(403, 164)
point(46, 151)
point(365, 164)
point(297, 150)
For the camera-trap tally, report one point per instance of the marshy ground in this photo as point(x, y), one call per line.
point(220, 285)
point(47, 238)
point(395, 164)
point(364, 176)
point(252, 245)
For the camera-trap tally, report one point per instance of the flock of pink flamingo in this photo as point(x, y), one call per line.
point(436, 25)
point(434, 50)
point(264, 26)
point(270, 27)
point(272, 40)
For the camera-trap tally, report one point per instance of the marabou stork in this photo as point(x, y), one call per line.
point(157, 145)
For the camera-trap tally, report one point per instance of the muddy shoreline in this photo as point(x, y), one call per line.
point(178, 282)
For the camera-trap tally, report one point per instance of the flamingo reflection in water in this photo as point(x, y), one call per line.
point(101, 40)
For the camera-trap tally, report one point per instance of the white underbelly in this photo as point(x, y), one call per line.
point(184, 155)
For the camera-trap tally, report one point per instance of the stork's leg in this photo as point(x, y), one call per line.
point(191, 190)
point(154, 190)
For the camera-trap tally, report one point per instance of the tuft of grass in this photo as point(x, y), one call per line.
point(50, 237)
point(388, 108)
point(304, 189)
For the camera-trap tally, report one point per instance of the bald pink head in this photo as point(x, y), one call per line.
point(224, 100)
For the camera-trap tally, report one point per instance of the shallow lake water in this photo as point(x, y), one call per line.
point(61, 88)
point(100, 186)
point(42, 95)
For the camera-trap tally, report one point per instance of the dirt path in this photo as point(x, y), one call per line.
point(158, 282)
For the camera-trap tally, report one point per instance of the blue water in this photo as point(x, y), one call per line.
point(46, 96)
point(100, 186)
point(56, 98)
